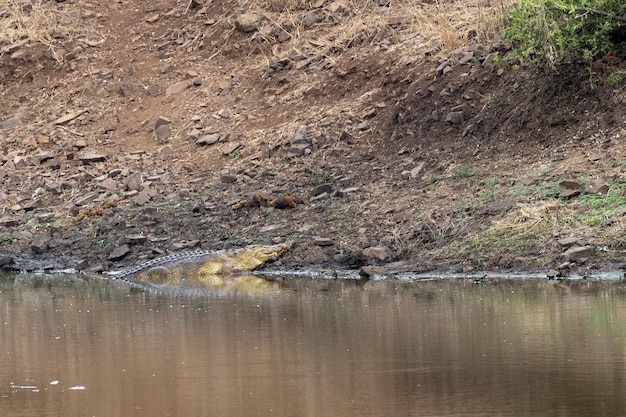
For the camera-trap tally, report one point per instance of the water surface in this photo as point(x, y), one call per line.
point(71, 346)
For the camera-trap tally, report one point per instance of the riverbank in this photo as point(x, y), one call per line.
point(360, 133)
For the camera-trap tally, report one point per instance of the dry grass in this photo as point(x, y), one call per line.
point(36, 20)
point(441, 27)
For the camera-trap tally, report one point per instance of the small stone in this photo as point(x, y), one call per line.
point(371, 271)
point(108, 184)
point(321, 189)
point(134, 182)
point(441, 67)
point(378, 252)
point(248, 22)
point(455, 117)
point(228, 178)
point(41, 243)
point(11, 123)
point(208, 139)
point(230, 148)
point(569, 241)
point(163, 132)
point(142, 198)
point(6, 260)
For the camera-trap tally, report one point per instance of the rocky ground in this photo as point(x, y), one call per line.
point(387, 136)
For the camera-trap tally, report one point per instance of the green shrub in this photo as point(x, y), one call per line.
point(556, 32)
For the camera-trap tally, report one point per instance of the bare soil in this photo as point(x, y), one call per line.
point(144, 128)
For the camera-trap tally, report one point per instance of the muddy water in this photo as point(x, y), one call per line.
point(298, 347)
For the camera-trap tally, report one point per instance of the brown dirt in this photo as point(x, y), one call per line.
point(450, 169)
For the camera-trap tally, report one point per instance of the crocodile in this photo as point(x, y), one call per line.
point(200, 267)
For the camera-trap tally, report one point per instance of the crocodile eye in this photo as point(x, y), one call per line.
point(156, 275)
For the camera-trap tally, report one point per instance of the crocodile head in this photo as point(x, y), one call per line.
point(254, 255)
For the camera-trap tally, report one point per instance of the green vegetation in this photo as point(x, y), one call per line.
point(555, 32)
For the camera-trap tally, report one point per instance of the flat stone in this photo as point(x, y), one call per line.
point(119, 253)
point(455, 117)
point(228, 178)
point(598, 187)
point(136, 239)
point(68, 118)
point(108, 184)
point(208, 139)
point(163, 132)
point(90, 158)
point(322, 241)
point(569, 241)
point(578, 252)
point(178, 87)
point(230, 148)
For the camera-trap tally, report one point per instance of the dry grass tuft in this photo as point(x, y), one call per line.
point(38, 21)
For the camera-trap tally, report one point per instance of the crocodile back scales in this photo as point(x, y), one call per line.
point(175, 258)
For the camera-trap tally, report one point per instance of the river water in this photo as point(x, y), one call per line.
point(71, 346)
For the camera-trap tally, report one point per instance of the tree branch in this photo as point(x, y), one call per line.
point(600, 12)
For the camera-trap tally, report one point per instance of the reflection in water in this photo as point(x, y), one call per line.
point(74, 347)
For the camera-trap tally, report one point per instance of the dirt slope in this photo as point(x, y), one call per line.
point(360, 131)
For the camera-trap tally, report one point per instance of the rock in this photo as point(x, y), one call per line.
point(178, 88)
point(322, 241)
point(455, 118)
point(41, 243)
point(442, 67)
point(230, 148)
point(338, 6)
point(6, 260)
point(570, 185)
point(371, 271)
point(225, 113)
point(321, 189)
point(136, 239)
point(11, 123)
point(311, 18)
point(600, 186)
point(248, 22)
point(142, 198)
point(63, 120)
point(119, 253)
point(208, 139)
point(163, 132)
point(300, 143)
point(569, 189)
point(228, 178)
point(576, 253)
point(378, 252)
point(569, 241)
point(134, 182)
point(162, 128)
point(91, 158)
point(108, 184)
